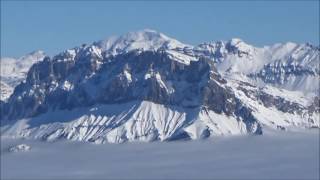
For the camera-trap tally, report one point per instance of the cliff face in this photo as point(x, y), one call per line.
point(60, 83)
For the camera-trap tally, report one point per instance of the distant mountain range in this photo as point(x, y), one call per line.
point(14, 71)
point(146, 86)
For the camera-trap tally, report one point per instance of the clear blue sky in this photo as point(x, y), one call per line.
point(53, 26)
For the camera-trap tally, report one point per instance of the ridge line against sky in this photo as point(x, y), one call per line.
point(55, 26)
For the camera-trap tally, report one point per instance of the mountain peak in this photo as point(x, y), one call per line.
point(36, 52)
point(236, 41)
point(146, 39)
point(239, 43)
point(239, 46)
point(34, 55)
point(150, 33)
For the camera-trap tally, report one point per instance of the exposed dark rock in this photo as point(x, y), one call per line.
point(280, 103)
point(279, 72)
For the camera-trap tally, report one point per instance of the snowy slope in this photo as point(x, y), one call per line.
point(278, 108)
point(134, 121)
point(13, 71)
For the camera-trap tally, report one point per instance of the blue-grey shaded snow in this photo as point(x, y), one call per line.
point(275, 155)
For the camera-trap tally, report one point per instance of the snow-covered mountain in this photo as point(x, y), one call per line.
point(13, 71)
point(290, 66)
point(145, 86)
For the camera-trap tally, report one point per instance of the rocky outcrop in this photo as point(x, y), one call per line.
point(279, 72)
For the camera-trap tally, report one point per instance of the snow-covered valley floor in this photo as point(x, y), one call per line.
point(275, 155)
